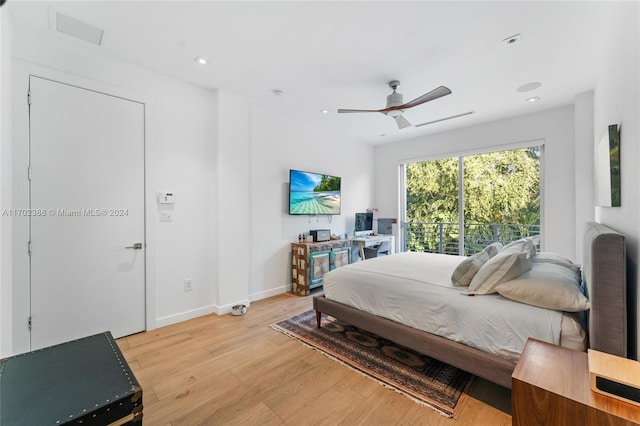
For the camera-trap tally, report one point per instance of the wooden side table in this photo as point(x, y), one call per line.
point(550, 386)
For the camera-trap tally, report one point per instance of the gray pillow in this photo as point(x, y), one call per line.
point(503, 267)
point(550, 257)
point(467, 269)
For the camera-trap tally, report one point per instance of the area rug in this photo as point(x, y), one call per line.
point(423, 379)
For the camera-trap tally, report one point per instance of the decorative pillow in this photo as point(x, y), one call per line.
point(523, 245)
point(500, 268)
point(556, 293)
point(493, 249)
point(467, 269)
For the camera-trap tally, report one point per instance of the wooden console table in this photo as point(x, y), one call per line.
point(550, 386)
point(310, 261)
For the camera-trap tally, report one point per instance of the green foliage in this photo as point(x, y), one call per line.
point(432, 191)
point(499, 188)
point(328, 183)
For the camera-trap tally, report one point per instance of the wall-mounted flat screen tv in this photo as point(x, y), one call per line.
point(313, 193)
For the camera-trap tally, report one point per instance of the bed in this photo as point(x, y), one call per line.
point(603, 274)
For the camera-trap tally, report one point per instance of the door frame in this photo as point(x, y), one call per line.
point(22, 71)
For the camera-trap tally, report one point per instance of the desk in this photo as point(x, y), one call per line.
point(374, 240)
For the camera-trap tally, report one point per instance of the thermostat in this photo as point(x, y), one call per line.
point(166, 198)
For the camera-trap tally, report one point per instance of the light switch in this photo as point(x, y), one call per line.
point(166, 216)
point(166, 198)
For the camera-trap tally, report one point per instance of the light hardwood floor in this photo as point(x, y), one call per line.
point(219, 370)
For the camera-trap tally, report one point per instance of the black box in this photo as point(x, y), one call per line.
point(85, 381)
point(320, 234)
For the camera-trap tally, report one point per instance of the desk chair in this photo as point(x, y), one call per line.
point(381, 249)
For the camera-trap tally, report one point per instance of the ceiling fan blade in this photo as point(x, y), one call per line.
point(402, 122)
point(436, 93)
point(358, 110)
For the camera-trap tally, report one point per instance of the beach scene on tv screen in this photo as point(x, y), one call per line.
point(312, 193)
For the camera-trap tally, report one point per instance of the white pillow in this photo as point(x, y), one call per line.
point(468, 268)
point(557, 294)
point(500, 268)
point(493, 249)
point(523, 245)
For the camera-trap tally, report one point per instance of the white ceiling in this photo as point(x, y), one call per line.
point(330, 55)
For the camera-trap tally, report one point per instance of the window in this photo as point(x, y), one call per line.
point(472, 200)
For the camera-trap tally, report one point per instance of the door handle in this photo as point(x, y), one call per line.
point(135, 246)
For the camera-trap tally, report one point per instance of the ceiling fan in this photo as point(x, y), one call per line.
point(395, 107)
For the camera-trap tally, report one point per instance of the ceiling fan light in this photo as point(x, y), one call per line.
point(394, 113)
point(402, 122)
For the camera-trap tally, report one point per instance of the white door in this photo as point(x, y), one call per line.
point(87, 212)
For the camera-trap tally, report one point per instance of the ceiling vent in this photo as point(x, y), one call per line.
point(445, 119)
point(78, 29)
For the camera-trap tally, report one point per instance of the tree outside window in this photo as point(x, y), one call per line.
point(500, 193)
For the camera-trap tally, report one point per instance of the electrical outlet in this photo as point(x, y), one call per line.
point(188, 284)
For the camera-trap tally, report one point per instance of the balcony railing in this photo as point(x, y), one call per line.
point(444, 237)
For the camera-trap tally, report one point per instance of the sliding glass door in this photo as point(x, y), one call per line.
point(458, 205)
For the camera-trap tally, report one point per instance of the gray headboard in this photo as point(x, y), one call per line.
point(605, 274)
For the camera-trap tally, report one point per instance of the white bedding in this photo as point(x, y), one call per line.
point(415, 289)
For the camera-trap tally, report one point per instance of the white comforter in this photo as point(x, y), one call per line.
point(415, 289)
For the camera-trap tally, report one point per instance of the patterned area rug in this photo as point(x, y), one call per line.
point(425, 380)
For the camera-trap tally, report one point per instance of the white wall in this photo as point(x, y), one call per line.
point(616, 100)
point(6, 290)
point(226, 160)
point(233, 207)
point(278, 144)
point(181, 157)
point(184, 162)
point(584, 167)
point(554, 127)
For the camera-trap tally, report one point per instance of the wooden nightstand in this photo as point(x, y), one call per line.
point(550, 386)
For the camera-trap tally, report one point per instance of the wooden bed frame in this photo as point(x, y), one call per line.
point(604, 274)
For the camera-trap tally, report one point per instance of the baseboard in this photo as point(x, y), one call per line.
point(184, 316)
point(217, 309)
point(268, 293)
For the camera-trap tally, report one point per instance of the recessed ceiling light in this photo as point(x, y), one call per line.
point(200, 60)
point(324, 111)
point(534, 99)
point(529, 86)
